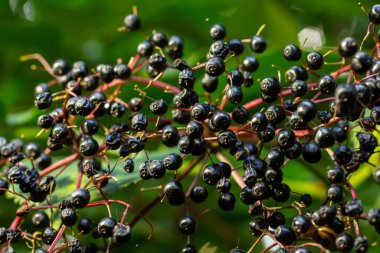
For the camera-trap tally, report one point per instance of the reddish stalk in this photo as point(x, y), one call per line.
point(56, 239)
point(58, 164)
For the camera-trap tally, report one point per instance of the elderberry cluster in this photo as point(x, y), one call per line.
point(310, 115)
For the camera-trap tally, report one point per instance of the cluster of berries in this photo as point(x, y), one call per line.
point(95, 116)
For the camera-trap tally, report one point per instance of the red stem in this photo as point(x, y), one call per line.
point(58, 164)
point(56, 239)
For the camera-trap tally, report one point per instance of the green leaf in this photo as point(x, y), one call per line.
point(208, 248)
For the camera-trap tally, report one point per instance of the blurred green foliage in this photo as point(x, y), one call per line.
point(87, 30)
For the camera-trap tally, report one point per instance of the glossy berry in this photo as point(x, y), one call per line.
point(173, 191)
point(159, 39)
point(374, 14)
point(348, 47)
point(90, 126)
point(215, 66)
point(218, 48)
point(361, 244)
point(284, 235)
point(256, 226)
point(226, 139)
point(170, 135)
point(314, 60)
point(156, 169)
point(324, 137)
point(88, 146)
point(121, 233)
point(139, 122)
point(336, 175)
point(227, 201)
point(189, 249)
point(258, 44)
point(374, 216)
point(85, 226)
point(68, 216)
point(335, 193)
point(307, 110)
point(326, 84)
point(259, 122)
point(40, 220)
point(106, 226)
point(209, 83)
point(250, 64)
point(286, 138)
point(276, 219)
point(80, 198)
point(298, 88)
point(324, 215)
point(60, 67)
point(343, 154)
point(175, 47)
point(132, 22)
point(43, 100)
point(270, 85)
point(220, 120)
point(186, 145)
point(275, 114)
point(240, 115)
point(211, 174)
point(344, 242)
point(311, 153)
point(45, 121)
point(375, 175)
point(187, 225)
point(135, 104)
point(361, 62)
point(218, 32)
point(158, 107)
point(281, 192)
point(292, 53)
point(353, 207)
point(49, 235)
point(300, 224)
point(198, 194)
point(296, 73)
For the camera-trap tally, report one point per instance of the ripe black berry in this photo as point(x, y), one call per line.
point(361, 62)
point(43, 100)
point(80, 198)
point(284, 235)
point(292, 53)
point(209, 83)
point(132, 22)
point(121, 233)
point(218, 32)
point(344, 242)
point(348, 47)
point(106, 226)
point(187, 225)
point(215, 66)
point(227, 201)
point(85, 226)
point(258, 44)
point(49, 235)
point(173, 191)
point(314, 60)
point(68, 216)
point(374, 14)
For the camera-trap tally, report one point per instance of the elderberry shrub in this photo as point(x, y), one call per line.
point(223, 144)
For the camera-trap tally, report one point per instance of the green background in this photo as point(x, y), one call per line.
point(87, 30)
